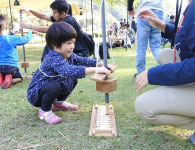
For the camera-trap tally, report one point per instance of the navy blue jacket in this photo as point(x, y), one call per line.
point(182, 72)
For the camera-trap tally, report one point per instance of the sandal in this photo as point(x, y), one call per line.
point(49, 117)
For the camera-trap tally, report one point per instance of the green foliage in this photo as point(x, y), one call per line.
point(135, 4)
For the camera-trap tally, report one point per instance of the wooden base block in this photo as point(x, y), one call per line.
point(24, 65)
point(106, 86)
point(102, 124)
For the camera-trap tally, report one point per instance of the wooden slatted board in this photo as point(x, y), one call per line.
point(102, 124)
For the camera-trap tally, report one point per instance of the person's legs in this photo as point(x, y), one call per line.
point(143, 31)
point(167, 56)
point(61, 104)
point(155, 37)
point(9, 72)
point(7, 82)
point(168, 106)
point(17, 77)
point(1, 78)
point(47, 95)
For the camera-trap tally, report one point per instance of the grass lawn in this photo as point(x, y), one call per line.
point(20, 127)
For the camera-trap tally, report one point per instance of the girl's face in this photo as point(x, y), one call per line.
point(66, 49)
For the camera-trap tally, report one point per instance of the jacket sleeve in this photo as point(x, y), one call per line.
point(173, 74)
point(63, 68)
point(83, 61)
point(169, 29)
point(130, 5)
point(20, 40)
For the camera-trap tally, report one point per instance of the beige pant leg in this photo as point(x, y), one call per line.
point(173, 106)
point(167, 56)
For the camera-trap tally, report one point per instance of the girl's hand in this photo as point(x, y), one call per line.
point(111, 68)
point(103, 70)
point(141, 80)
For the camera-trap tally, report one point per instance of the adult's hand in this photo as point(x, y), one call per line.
point(141, 80)
point(152, 19)
point(131, 13)
point(24, 10)
point(24, 25)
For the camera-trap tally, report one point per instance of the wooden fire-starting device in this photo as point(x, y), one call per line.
point(102, 117)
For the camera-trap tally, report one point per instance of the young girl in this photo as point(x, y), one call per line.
point(57, 76)
point(9, 71)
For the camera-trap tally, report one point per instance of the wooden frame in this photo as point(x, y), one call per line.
point(101, 123)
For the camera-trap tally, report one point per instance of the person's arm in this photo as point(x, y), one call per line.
point(63, 68)
point(169, 29)
point(168, 74)
point(101, 70)
point(173, 74)
point(20, 40)
point(131, 11)
point(83, 61)
point(166, 28)
point(37, 14)
point(42, 29)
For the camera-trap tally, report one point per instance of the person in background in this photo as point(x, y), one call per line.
point(146, 33)
point(173, 103)
point(9, 71)
point(133, 24)
point(61, 12)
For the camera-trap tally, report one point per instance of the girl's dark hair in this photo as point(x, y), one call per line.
point(3, 22)
point(59, 33)
point(60, 5)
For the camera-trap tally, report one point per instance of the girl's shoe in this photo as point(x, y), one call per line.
point(7, 82)
point(49, 117)
point(192, 138)
point(1, 79)
point(64, 106)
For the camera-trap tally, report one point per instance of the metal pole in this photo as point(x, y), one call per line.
point(86, 14)
point(104, 42)
point(10, 8)
point(92, 15)
point(127, 30)
point(23, 48)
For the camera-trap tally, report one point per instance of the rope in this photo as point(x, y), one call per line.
point(97, 54)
